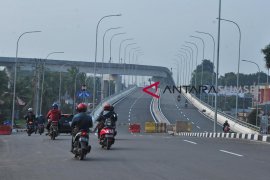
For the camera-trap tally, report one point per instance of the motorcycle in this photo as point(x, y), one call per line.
point(227, 129)
point(30, 128)
point(54, 130)
point(80, 145)
point(106, 135)
point(40, 128)
point(178, 98)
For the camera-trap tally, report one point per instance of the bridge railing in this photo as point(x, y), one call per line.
point(113, 99)
point(232, 118)
point(229, 117)
point(156, 112)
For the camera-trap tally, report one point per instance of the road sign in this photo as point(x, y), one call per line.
point(84, 94)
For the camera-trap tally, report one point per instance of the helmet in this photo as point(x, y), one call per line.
point(226, 121)
point(107, 107)
point(55, 106)
point(81, 107)
point(30, 110)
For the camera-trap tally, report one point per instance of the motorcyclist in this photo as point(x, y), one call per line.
point(226, 124)
point(80, 121)
point(30, 116)
point(53, 115)
point(108, 112)
point(179, 98)
point(186, 103)
point(41, 119)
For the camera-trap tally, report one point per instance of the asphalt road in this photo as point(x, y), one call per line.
point(134, 156)
point(174, 110)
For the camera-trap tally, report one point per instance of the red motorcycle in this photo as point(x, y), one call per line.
point(106, 135)
point(227, 129)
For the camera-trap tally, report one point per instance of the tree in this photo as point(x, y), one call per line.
point(266, 52)
point(252, 117)
point(207, 73)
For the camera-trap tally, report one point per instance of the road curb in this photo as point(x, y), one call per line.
point(254, 137)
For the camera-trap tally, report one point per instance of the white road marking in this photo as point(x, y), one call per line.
point(190, 142)
point(198, 127)
point(128, 119)
point(231, 153)
point(181, 112)
point(184, 115)
point(205, 131)
point(188, 119)
point(192, 122)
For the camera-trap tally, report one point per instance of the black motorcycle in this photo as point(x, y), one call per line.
point(40, 128)
point(80, 145)
point(54, 130)
point(30, 128)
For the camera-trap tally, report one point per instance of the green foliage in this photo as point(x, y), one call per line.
point(266, 52)
point(230, 79)
point(207, 73)
point(252, 117)
point(5, 97)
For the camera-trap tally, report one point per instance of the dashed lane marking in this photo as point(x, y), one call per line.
point(190, 142)
point(228, 152)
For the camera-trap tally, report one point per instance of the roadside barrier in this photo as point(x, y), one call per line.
point(161, 127)
point(134, 128)
point(183, 126)
point(152, 127)
point(253, 137)
point(149, 127)
point(5, 130)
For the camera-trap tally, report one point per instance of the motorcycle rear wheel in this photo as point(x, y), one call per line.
point(108, 145)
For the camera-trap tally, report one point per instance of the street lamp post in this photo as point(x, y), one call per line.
point(117, 34)
point(130, 66)
point(217, 66)
point(195, 45)
point(60, 84)
point(190, 57)
point(202, 61)
point(135, 61)
point(177, 76)
point(259, 70)
point(120, 48)
point(102, 66)
point(74, 95)
point(182, 58)
point(137, 56)
point(43, 79)
point(94, 88)
point(191, 68)
point(186, 60)
point(214, 49)
point(125, 50)
point(238, 67)
point(15, 76)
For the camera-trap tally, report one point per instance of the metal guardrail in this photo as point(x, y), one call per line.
point(245, 124)
point(111, 100)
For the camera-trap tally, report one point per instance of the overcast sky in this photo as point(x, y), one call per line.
point(159, 27)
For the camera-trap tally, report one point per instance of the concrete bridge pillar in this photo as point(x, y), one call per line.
point(118, 83)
